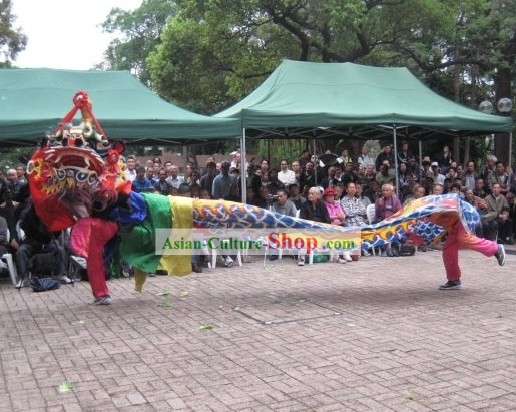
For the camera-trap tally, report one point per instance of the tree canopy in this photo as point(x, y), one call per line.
point(12, 40)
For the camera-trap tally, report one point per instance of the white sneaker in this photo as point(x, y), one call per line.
point(341, 260)
point(228, 262)
point(347, 257)
point(65, 280)
point(301, 261)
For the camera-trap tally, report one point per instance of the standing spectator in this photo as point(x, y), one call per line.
point(404, 155)
point(488, 174)
point(444, 159)
point(345, 157)
point(330, 180)
point(174, 180)
point(296, 168)
point(309, 179)
point(141, 183)
point(385, 154)
point(222, 182)
point(304, 159)
point(130, 171)
point(206, 181)
point(149, 174)
point(285, 175)
point(162, 186)
point(502, 178)
point(365, 158)
point(470, 176)
point(20, 171)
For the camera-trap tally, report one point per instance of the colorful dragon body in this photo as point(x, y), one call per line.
point(76, 167)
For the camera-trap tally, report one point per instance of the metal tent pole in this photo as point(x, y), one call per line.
point(396, 163)
point(243, 167)
point(420, 159)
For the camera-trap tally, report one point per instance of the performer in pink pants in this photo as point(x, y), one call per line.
point(459, 238)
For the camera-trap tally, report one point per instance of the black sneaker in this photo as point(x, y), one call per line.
point(451, 285)
point(500, 255)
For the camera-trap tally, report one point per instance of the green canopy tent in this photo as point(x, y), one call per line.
point(351, 100)
point(34, 101)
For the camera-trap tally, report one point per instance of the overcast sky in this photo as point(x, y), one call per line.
point(64, 34)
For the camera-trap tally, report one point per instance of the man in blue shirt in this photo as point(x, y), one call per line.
point(141, 183)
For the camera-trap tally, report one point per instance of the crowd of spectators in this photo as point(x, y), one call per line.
point(338, 193)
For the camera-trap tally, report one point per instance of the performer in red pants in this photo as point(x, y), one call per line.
point(89, 238)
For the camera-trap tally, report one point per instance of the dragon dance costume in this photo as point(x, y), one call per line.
point(77, 181)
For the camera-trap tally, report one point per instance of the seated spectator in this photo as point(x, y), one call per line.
point(385, 207)
point(480, 189)
point(360, 194)
point(294, 195)
point(333, 206)
point(498, 204)
point(315, 210)
point(388, 204)
point(418, 192)
point(437, 189)
point(204, 194)
point(353, 207)
point(275, 184)
point(38, 240)
point(383, 176)
point(487, 229)
point(489, 224)
point(283, 205)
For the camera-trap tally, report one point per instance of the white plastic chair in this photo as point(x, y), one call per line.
point(8, 257)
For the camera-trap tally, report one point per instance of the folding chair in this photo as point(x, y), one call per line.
point(8, 258)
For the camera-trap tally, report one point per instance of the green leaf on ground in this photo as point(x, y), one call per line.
point(164, 292)
point(64, 387)
point(164, 304)
point(184, 294)
point(205, 327)
point(409, 397)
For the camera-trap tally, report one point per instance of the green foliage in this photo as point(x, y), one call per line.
point(12, 40)
point(140, 31)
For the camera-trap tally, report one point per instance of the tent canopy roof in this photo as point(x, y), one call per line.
point(34, 101)
point(364, 101)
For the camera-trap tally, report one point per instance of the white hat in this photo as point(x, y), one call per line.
point(434, 164)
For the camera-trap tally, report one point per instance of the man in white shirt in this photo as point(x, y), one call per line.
point(285, 175)
point(365, 158)
point(130, 171)
point(174, 180)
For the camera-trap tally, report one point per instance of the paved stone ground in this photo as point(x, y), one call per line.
point(375, 335)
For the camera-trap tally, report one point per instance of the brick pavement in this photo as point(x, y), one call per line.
point(375, 335)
